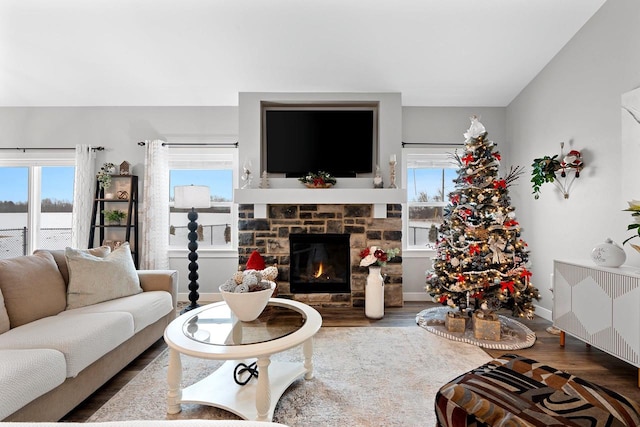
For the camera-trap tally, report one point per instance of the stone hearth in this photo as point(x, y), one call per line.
point(270, 237)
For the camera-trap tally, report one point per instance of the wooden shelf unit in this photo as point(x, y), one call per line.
point(126, 232)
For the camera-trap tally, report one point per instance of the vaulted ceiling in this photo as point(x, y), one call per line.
point(203, 52)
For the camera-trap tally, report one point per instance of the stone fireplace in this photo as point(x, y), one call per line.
point(358, 225)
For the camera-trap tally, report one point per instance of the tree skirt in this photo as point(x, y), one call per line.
point(513, 334)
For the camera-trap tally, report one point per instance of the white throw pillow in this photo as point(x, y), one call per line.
point(95, 279)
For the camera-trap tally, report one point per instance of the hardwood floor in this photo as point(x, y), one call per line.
point(576, 357)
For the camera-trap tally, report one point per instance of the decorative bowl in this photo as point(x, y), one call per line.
point(247, 306)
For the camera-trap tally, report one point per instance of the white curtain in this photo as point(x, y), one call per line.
point(154, 248)
point(84, 187)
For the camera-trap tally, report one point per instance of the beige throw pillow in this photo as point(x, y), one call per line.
point(61, 260)
point(32, 287)
point(95, 279)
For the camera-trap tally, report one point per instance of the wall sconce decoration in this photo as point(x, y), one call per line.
point(560, 170)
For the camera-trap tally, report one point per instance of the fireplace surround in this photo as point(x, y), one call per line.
point(269, 235)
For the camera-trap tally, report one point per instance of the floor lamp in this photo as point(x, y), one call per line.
point(192, 197)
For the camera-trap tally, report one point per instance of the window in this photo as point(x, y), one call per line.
point(430, 175)
point(35, 208)
point(216, 225)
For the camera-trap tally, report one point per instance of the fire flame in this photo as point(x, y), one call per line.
point(319, 272)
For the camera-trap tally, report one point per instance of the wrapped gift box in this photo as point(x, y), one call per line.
point(455, 322)
point(486, 326)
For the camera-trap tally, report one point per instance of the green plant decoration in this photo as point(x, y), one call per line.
point(104, 175)
point(634, 208)
point(114, 215)
point(544, 170)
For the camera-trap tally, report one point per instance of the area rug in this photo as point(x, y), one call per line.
point(364, 376)
point(513, 334)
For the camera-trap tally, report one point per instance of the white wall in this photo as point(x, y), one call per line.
point(576, 99)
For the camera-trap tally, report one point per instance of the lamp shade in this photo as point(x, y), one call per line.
point(191, 196)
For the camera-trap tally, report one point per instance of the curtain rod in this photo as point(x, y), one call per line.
point(195, 144)
point(444, 144)
point(24, 149)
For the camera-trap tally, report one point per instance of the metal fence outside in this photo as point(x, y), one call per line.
point(13, 241)
point(208, 235)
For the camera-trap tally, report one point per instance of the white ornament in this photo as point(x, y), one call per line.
point(455, 262)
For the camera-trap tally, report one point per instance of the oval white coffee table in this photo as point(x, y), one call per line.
point(212, 332)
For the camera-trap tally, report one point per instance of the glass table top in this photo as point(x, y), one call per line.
point(217, 326)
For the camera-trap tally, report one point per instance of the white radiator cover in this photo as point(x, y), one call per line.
point(599, 305)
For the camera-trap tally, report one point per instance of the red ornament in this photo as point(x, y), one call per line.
point(464, 213)
point(468, 159)
point(510, 223)
point(500, 184)
point(497, 156)
point(468, 179)
point(460, 278)
point(443, 299)
point(455, 199)
point(474, 249)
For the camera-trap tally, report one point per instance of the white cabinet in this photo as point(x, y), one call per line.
point(599, 305)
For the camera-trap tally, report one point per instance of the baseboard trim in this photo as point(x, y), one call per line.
point(407, 296)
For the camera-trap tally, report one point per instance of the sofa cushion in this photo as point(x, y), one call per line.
point(146, 307)
point(94, 279)
point(32, 287)
point(4, 317)
point(28, 374)
point(83, 338)
point(61, 260)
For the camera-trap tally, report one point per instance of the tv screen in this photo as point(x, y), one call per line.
point(298, 141)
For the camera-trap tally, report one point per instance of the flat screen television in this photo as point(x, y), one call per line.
point(340, 141)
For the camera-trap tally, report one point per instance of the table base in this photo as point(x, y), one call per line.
point(220, 390)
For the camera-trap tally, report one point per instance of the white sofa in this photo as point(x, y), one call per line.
point(51, 359)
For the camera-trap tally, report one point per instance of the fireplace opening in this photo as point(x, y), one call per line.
point(319, 263)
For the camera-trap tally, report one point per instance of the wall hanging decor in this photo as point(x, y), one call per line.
point(560, 170)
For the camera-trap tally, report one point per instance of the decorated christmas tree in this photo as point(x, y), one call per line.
point(480, 256)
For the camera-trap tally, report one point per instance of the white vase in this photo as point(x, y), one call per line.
point(374, 294)
point(608, 254)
